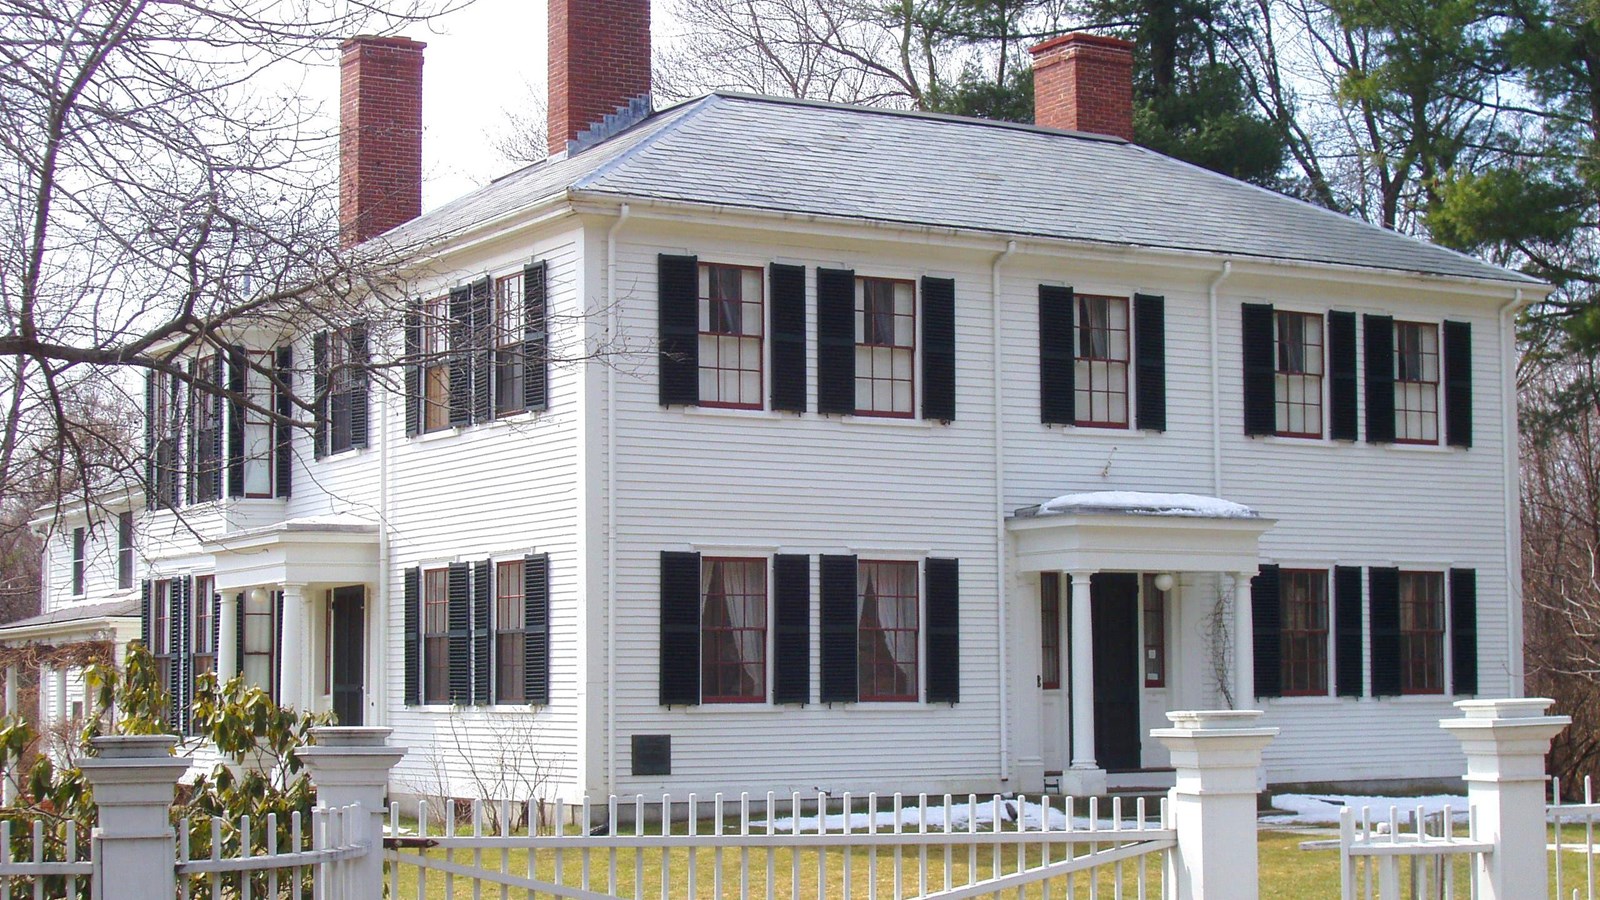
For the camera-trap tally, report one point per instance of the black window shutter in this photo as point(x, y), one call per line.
point(836, 341)
point(1256, 349)
point(358, 356)
point(536, 628)
point(678, 320)
point(319, 388)
point(1343, 414)
point(1464, 632)
point(1057, 367)
point(459, 612)
point(482, 338)
point(151, 429)
point(216, 631)
point(1150, 366)
point(787, 296)
point(176, 649)
point(1379, 332)
point(238, 634)
point(943, 578)
point(839, 624)
point(413, 370)
point(277, 645)
point(284, 396)
point(191, 426)
point(939, 349)
point(413, 625)
point(145, 614)
point(1347, 642)
point(791, 619)
point(680, 629)
point(461, 355)
point(1383, 604)
point(1266, 616)
point(535, 337)
point(482, 663)
point(1458, 384)
point(236, 384)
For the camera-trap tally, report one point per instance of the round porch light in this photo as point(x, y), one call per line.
point(258, 595)
point(1164, 582)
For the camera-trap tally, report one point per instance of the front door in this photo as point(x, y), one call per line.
point(349, 653)
point(1114, 598)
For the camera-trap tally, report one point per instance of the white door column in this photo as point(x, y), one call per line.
point(1084, 777)
point(1244, 657)
point(292, 655)
point(227, 645)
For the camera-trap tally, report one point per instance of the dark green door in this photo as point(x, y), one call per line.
point(1114, 598)
point(349, 653)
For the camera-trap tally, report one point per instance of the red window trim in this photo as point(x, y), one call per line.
point(1321, 376)
point(766, 671)
point(760, 339)
point(435, 356)
point(504, 340)
point(1438, 413)
point(1127, 364)
point(911, 412)
point(915, 629)
point(440, 578)
point(1049, 631)
point(1321, 577)
point(1441, 634)
point(508, 590)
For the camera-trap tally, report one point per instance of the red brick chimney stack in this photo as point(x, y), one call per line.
point(380, 135)
point(599, 62)
point(1084, 82)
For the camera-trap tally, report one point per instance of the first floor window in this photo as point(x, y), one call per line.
point(886, 636)
point(1155, 634)
point(1416, 383)
point(436, 636)
point(733, 630)
point(203, 643)
point(1100, 381)
point(509, 639)
point(1050, 631)
point(161, 630)
point(1422, 632)
point(886, 346)
point(1303, 598)
point(436, 365)
point(509, 365)
point(1298, 368)
point(259, 616)
point(731, 321)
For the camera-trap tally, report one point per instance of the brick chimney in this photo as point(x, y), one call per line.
point(380, 135)
point(599, 62)
point(1084, 82)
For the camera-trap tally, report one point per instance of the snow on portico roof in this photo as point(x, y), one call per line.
point(1142, 503)
point(736, 151)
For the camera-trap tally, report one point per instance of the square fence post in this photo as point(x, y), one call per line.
point(1505, 742)
point(351, 765)
point(135, 849)
point(1217, 755)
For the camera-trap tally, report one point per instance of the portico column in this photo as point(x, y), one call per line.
point(227, 646)
point(1082, 653)
point(291, 668)
point(1244, 656)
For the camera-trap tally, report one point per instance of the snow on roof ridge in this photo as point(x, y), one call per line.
point(1147, 503)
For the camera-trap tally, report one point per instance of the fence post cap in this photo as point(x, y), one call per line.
point(1213, 719)
point(1504, 708)
point(134, 746)
point(341, 736)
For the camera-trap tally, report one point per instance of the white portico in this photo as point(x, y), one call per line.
point(1100, 541)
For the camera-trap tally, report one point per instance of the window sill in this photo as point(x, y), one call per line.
point(1102, 433)
point(343, 454)
point(891, 421)
point(887, 706)
point(1424, 448)
point(726, 412)
point(739, 709)
point(423, 437)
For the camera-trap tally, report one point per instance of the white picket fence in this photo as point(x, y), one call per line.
point(1378, 858)
point(1564, 816)
point(824, 847)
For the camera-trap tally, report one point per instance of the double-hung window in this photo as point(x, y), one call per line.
point(1101, 353)
point(79, 541)
point(509, 638)
point(886, 347)
point(161, 630)
point(733, 630)
point(435, 364)
point(1303, 638)
point(436, 635)
point(259, 614)
point(1050, 631)
point(206, 420)
point(1298, 372)
point(731, 327)
point(1155, 634)
point(510, 365)
point(203, 636)
point(1422, 626)
point(1416, 383)
point(124, 550)
point(887, 632)
point(342, 379)
point(259, 427)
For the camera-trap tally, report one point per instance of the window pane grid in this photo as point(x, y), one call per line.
point(731, 319)
point(259, 442)
point(885, 347)
point(733, 630)
point(1422, 632)
point(260, 640)
point(1303, 602)
point(1298, 351)
point(435, 365)
point(1050, 631)
point(436, 635)
point(508, 639)
point(508, 336)
point(1102, 351)
point(207, 410)
point(1416, 383)
point(886, 637)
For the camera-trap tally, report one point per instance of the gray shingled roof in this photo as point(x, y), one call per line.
point(79, 613)
point(860, 163)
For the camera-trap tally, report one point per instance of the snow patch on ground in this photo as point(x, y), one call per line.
point(1150, 504)
point(1324, 809)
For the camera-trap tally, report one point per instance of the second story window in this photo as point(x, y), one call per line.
point(509, 364)
point(436, 365)
point(79, 540)
point(731, 318)
point(1101, 355)
point(1416, 383)
point(886, 323)
point(162, 441)
point(1298, 370)
point(124, 550)
point(206, 421)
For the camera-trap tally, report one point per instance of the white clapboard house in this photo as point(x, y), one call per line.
point(919, 453)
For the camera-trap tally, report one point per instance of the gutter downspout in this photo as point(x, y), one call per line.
point(1513, 535)
point(1000, 506)
point(611, 503)
point(1216, 390)
point(384, 579)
